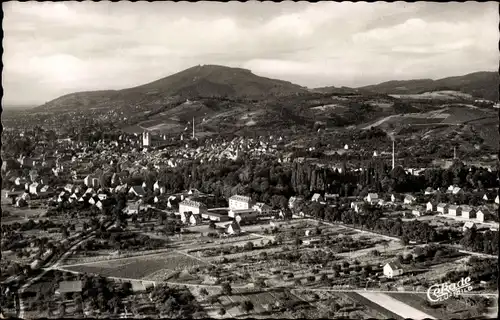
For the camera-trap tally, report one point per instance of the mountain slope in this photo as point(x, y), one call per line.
point(198, 81)
point(479, 84)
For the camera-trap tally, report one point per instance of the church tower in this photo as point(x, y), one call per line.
point(146, 139)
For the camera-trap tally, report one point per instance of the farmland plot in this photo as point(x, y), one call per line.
point(138, 268)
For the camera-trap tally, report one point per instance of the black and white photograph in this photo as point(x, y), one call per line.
point(260, 160)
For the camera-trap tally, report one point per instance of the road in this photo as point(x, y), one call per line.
point(394, 305)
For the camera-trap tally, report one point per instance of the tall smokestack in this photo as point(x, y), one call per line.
point(393, 160)
point(193, 128)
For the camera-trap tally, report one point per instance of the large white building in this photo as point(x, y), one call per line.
point(192, 206)
point(238, 202)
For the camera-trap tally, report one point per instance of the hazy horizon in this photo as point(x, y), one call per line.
point(53, 49)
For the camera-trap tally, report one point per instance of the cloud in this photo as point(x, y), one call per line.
point(56, 48)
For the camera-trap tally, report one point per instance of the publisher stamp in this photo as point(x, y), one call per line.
point(444, 291)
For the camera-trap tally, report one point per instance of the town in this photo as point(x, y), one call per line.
point(257, 160)
point(241, 221)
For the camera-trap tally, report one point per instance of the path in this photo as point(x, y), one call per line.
point(395, 305)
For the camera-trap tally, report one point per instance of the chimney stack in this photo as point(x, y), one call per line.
point(393, 160)
point(193, 128)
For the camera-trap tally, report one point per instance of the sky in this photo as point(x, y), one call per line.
point(52, 49)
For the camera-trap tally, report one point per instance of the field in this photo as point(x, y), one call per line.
point(146, 268)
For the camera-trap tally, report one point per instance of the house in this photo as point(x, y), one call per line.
point(45, 191)
point(105, 203)
point(357, 206)
point(409, 199)
point(91, 181)
point(195, 219)
point(468, 212)
point(69, 287)
point(90, 191)
point(20, 181)
point(395, 198)
point(450, 189)
point(238, 202)
point(293, 202)
point(262, 208)
point(35, 188)
point(26, 196)
point(371, 197)
point(137, 191)
point(442, 208)
point(329, 196)
point(156, 186)
point(62, 196)
point(497, 200)
point(134, 208)
point(469, 225)
point(481, 214)
point(485, 197)
point(316, 198)
point(233, 228)
point(430, 207)
point(457, 190)
point(70, 188)
point(393, 269)
point(454, 210)
point(192, 206)
point(429, 190)
point(417, 212)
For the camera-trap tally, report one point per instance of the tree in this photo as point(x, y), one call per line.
point(226, 289)
point(222, 311)
point(204, 292)
point(246, 306)
point(211, 225)
point(248, 246)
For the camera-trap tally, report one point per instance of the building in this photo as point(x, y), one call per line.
point(457, 190)
point(395, 198)
point(442, 208)
point(262, 208)
point(409, 199)
point(238, 202)
point(429, 190)
point(137, 191)
point(454, 210)
point(357, 206)
point(243, 213)
point(468, 212)
point(371, 197)
point(481, 214)
point(35, 188)
point(192, 206)
point(91, 181)
point(430, 207)
point(469, 225)
point(293, 202)
point(393, 269)
point(195, 219)
point(417, 212)
point(497, 201)
point(69, 287)
point(185, 216)
point(212, 216)
point(233, 228)
point(316, 198)
point(485, 197)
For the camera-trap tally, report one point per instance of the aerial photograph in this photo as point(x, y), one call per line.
point(261, 160)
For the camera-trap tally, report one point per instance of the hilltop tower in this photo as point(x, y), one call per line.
point(193, 130)
point(146, 139)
